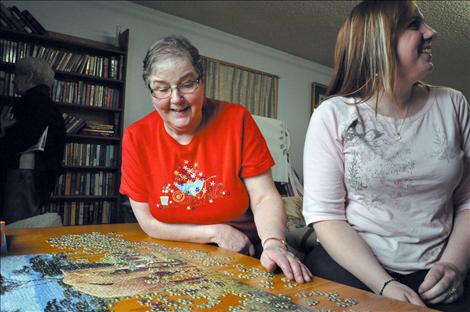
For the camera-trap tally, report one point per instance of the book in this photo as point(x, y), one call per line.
point(12, 22)
point(73, 124)
point(73, 210)
point(41, 143)
point(80, 213)
point(27, 26)
point(105, 216)
point(97, 132)
point(93, 126)
point(16, 13)
point(37, 27)
point(3, 22)
point(121, 68)
point(66, 220)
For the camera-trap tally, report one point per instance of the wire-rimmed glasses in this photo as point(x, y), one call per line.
point(164, 92)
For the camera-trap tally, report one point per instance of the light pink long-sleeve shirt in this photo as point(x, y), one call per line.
point(400, 195)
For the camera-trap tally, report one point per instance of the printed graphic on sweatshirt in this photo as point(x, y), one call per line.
point(190, 188)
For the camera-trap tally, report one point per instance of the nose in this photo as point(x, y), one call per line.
point(175, 95)
point(429, 33)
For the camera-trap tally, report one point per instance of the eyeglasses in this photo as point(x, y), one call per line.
point(164, 92)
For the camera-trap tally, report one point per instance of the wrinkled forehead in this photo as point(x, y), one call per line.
point(172, 70)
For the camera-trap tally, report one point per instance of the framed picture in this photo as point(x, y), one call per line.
point(318, 94)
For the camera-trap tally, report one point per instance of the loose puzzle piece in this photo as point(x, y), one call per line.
point(101, 271)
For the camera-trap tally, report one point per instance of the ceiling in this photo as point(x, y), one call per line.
point(308, 29)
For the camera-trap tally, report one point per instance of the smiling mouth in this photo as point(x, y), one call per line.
point(426, 51)
point(180, 110)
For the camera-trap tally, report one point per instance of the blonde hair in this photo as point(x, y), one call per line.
point(365, 54)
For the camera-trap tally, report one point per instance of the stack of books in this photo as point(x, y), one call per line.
point(97, 128)
point(73, 124)
point(13, 19)
point(6, 83)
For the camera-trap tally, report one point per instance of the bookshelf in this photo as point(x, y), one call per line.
point(89, 90)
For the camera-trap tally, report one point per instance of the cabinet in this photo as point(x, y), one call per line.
point(90, 87)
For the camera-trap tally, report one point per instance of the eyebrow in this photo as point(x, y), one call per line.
point(179, 80)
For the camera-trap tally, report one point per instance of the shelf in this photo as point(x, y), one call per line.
point(71, 75)
point(63, 41)
point(7, 65)
point(94, 168)
point(14, 99)
point(88, 107)
point(84, 56)
point(82, 197)
point(97, 79)
point(93, 137)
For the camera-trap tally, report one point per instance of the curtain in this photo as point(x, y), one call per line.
point(256, 90)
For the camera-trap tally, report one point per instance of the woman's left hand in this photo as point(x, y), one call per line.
point(443, 283)
point(275, 254)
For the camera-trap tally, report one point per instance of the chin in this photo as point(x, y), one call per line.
point(431, 68)
point(181, 124)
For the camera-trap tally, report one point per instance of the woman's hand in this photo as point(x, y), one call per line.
point(6, 119)
point(228, 237)
point(443, 283)
point(399, 291)
point(275, 254)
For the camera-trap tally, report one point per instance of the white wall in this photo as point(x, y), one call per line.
point(98, 20)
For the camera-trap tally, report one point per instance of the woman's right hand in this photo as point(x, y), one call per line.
point(228, 237)
point(399, 291)
point(6, 119)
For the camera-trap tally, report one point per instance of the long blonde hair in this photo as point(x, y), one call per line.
point(365, 54)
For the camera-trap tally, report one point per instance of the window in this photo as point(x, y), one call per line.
point(256, 90)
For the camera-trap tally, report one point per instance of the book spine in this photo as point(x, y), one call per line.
point(38, 27)
point(18, 17)
point(27, 26)
point(12, 22)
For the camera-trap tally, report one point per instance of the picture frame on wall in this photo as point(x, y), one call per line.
point(318, 94)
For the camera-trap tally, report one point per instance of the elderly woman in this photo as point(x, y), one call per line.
point(21, 126)
point(389, 191)
point(198, 170)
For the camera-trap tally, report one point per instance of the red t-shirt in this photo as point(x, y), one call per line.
point(198, 183)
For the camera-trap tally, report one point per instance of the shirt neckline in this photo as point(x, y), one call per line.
point(429, 102)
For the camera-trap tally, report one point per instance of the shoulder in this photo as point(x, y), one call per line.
point(147, 123)
point(225, 111)
point(228, 108)
point(38, 94)
point(446, 98)
point(445, 92)
point(338, 112)
point(337, 105)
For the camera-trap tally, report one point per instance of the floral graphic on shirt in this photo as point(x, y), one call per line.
point(374, 162)
point(353, 176)
point(191, 188)
point(442, 149)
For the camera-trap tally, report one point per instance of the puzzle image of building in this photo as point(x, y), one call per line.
point(99, 272)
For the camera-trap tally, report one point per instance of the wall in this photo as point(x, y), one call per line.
point(99, 20)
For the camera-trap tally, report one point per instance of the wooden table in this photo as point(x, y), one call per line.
point(34, 241)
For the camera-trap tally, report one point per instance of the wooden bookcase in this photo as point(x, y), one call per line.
point(89, 84)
